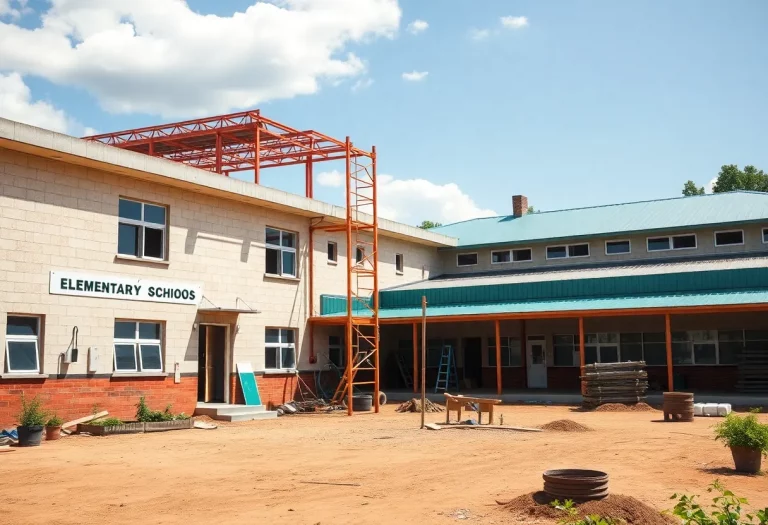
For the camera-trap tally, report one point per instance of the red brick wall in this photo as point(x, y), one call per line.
point(274, 389)
point(77, 397)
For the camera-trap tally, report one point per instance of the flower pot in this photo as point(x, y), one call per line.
point(30, 436)
point(745, 459)
point(52, 433)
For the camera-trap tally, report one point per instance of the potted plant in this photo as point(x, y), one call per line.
point(53, 428)
point(747, 439)
point(31, 421)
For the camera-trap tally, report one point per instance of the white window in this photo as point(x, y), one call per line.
point(281, 252)
point(399, 263)
point(280, 349)
point(522, 254)
point(466, 259)
point(601, 348)
point(336, 351)
point(729, 238)
point(675, 242)
point(141, 230)
point(568, 251)
point(565, 349)
point(22, 344)
point(138, 346)
point(765, 235)
point(501, 256)
point(695, 347)
point(617, 247)
point(511, 354)
point(333, 252)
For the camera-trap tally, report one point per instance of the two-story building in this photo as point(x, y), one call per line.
point(164, 277)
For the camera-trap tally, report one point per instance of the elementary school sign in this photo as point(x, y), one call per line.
point(129, 288)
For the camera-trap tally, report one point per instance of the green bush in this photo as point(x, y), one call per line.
point(54, 421)
point(32, 413)
point(107, 422)
point(726, 509)
point(145, 415)
point(743, 431)
point(572, 515)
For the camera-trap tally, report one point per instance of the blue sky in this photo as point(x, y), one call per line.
point(588, 103)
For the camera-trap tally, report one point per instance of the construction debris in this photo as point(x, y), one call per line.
point(614, 383)
point(414, 405)
point(85, 419)
point(434, 426)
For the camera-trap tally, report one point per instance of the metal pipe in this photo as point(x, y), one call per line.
point(349, 370)
point(582, 356)
point(497, 324)
point(668, 338)
point(415, 358)
point(423, 358)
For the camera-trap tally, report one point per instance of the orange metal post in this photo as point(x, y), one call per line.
point(350, 371)
point(415, 358)
point(498, 356)
point(375, 261)
point(311, 273)
point(582, 356)
point(257, 155)
point(524, 351)
point(668, 333)
point(308, 172)
point(218, 152)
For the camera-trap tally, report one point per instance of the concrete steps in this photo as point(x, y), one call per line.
point(225, 412)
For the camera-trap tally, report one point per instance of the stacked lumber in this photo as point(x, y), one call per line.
point(614, 383)
point(414, 405)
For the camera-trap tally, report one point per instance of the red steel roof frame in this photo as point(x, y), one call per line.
point(231, 143)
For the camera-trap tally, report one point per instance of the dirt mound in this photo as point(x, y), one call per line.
point(634, 512)
point(565, 425)
point(414, 405)
point(205, 419)
point(621, 407)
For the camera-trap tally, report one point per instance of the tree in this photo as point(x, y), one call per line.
point(731, 178)
point(426, 225)
point(531, 209)
point(690, 189)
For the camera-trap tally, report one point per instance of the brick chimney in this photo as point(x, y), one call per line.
point(519, 205)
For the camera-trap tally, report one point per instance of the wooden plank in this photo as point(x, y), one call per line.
point(493, 427)
point(84, 419)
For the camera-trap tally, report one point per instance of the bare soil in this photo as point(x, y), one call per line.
point(257, 472)
point(565, 425)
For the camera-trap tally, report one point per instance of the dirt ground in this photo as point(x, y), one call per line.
point(258, 472)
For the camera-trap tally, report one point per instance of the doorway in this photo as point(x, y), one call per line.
point(473, 362)
point(537, 361)
point(212, 364)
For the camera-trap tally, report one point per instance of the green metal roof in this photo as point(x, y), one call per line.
point(582, 304)
point(658, 215)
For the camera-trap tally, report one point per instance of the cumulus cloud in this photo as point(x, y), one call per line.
point(479, 34)
point(16, 104)
point(417, 26)
point(710, 186)
point(514, 22)
point(415, 76)
point(361, 84)
point(163, 58)
point(331, 179)
point(13, 8)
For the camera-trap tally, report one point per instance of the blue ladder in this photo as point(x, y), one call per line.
point(446, 372)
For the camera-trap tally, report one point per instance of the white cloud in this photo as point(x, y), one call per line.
point(415, 76)
point(361, 84)
point(414, 200)
point(417, 26)
point(710, 186)
point(160, 57)
point(479, 34)
point(13, 8)
point(16, 104)
point(331, 179)
point(514, 22)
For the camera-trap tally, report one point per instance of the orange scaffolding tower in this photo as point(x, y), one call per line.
point(248, 141)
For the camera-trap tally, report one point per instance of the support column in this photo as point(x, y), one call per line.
point(668, 338)
point(524, 352)
point(311, 273)
point(415, 358)
point(257, 155)
point(218, 152)
point(582, 356)
point(498, 357)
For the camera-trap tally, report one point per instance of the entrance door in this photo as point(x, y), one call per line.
point(212, 351)
point(473, 362)
point(537, 362)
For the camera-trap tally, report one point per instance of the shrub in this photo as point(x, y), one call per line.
point(743, 431)
point(145, 415)
point(54, 421)
point(572, 515)
point(726, 509)
point(32, 413)
point(107, 422)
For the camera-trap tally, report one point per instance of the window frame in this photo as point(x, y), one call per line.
point(399, 263)
point(137, 343)
point(575, 358)
point(530, 250)
point(23, 339)
point(280, 345)
point(508, 251)
point(730, 244)
point(143, 225)
point(763, 231)
point(280, 248)
point(671, 239)
point(628, 241)
point(568, 251)
point(506, 346)
point(466, 265)
point(341, 347)
point(600, 345)
point(359, 260)
point(335, 245)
